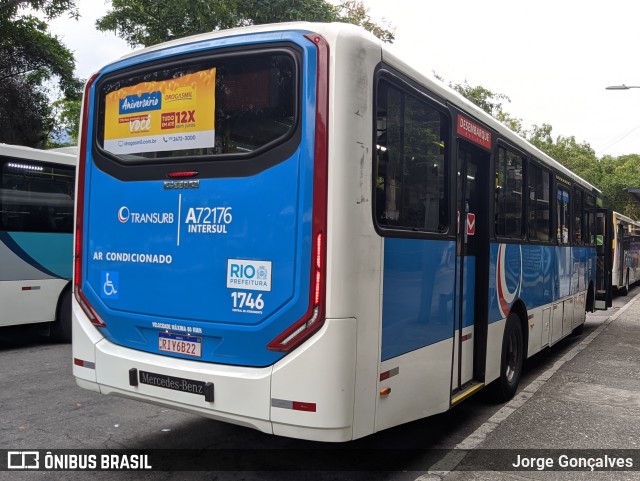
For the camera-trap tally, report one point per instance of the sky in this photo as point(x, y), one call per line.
point(552, 58)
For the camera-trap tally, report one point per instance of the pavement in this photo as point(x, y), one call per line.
point(583, 412)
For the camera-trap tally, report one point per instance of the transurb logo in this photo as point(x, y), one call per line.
point(144, 102)
point(123, 214)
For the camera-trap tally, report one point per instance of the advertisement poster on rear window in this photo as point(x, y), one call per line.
point(169, 115)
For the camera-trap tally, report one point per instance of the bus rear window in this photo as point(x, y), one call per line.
point(236, 104)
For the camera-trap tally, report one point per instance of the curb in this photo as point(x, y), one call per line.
point(452, 459)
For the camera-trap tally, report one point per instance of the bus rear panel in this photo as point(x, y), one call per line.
point(201, 227)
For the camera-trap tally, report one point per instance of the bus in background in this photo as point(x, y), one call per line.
point(37, 190)
point(625, 247)
point(287, 227)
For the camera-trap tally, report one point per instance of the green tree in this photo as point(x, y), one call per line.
point(148, 22)
point(577, 157)
point(66, 114)
point(33, 64)
point(51, 8)
point(488, 101)
point(612, 175)
point(618, 175)
point(354, 12)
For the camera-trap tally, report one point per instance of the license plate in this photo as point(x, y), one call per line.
point(180, 344)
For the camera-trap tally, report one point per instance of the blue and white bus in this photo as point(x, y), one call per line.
point(625, 245)
point(287, 227)
point(37, 190)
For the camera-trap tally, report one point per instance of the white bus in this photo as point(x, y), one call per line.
point(289, 228)
point(625, 270)
point(37, 190)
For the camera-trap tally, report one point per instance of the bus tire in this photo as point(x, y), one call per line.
point(625, 289)
point(589, 307)
point(511, 360)
point(61, 327)
point(579, 329)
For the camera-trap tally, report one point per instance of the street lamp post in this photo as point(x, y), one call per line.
point(622, 87)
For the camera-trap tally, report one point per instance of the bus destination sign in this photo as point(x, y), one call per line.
point(473, 132)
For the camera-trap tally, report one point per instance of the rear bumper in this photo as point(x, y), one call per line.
point(308, 394)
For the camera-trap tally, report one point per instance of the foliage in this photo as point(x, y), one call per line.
point(256, 12)
point(578, 157)
point(617, 175)
point(24, 113)
point(612, 175)
point(488, 101)
point(51, 8)
point(354, 12)
point(66, 115)
point(32, 65)
point(148, 22)
point(26, 49)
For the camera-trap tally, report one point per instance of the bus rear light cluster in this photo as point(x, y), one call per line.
point(181, 175)
point(318, 271)
point(313, 319)
point(82, 164)
point(304, 326)
point(310, 323)
point(91, 314)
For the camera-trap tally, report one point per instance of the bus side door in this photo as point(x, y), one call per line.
point(604, 259)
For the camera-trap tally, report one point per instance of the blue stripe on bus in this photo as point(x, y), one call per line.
point(418, 294)
point(537, 274)
point(51, 254)
point(418, 307)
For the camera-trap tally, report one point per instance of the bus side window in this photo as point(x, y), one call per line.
point(509, 220)
point(577, 217)
point(36, 198)
point(410, 188)
point(539, 206)
point(562, 216)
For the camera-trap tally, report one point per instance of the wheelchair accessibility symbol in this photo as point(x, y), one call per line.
point(110, 285)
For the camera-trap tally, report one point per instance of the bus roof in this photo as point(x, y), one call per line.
point(21, 152)
point(628, 220)
point(464, 104)
point(332, 31)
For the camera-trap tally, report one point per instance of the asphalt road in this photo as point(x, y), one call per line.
point(42, 408)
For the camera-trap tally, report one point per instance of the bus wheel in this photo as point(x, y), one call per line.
point(626, 285)
point(61, 327)
point(511, 360)
point(624, 290)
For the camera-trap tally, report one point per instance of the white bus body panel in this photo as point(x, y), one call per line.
point(321, 372)
point(495, 334)
point(355, 273)
point(38, 301)
point(421, 387)
point(242, 395)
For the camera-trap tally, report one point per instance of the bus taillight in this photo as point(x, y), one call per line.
point(82, 162)
point(318, 273)
point(313, 320)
